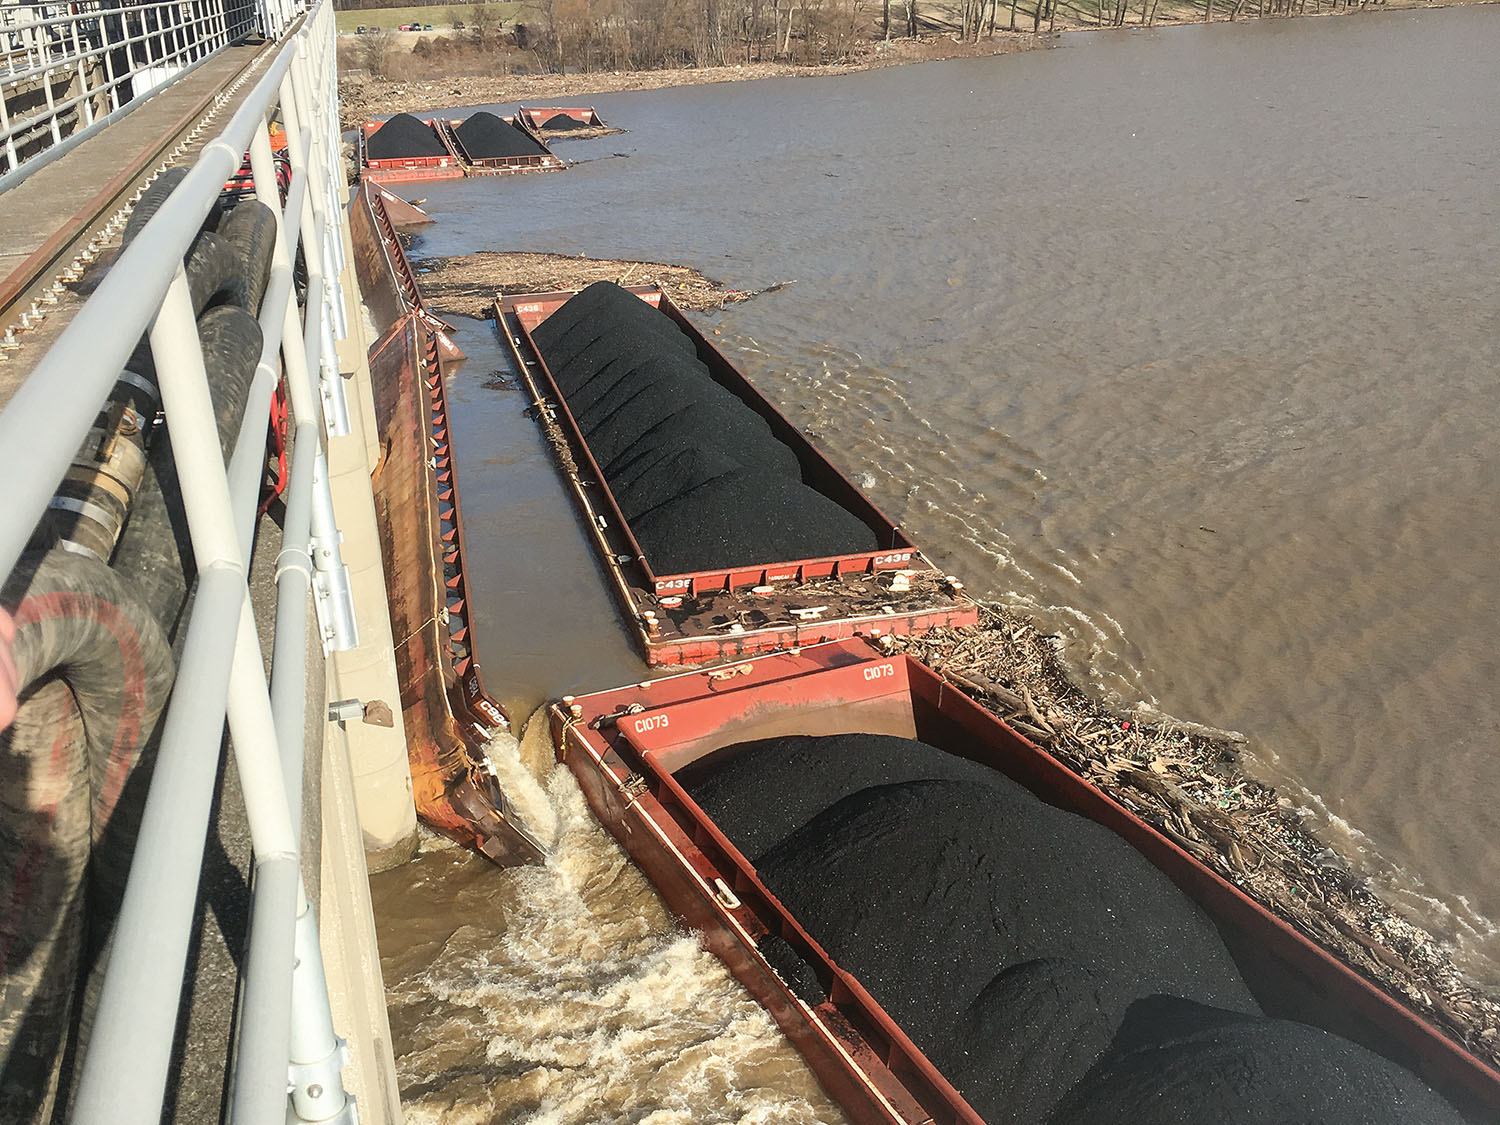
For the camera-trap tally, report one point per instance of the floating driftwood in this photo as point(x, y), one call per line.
point(468, 285)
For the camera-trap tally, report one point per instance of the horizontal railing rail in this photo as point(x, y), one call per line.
point(285, 1039)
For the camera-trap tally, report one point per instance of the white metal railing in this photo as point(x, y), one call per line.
point(285, 1038)
point(66, 68)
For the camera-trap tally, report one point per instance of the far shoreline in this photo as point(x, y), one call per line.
point(364, 97)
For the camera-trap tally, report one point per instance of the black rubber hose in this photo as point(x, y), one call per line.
point(155, 552)
point(215, 267)
point(96, 671)
point(251, 229)
point(150, 202)
point(216, 273)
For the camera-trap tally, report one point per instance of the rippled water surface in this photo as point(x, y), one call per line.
point(1185, 340)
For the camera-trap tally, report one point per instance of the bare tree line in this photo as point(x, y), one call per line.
point(588, 35)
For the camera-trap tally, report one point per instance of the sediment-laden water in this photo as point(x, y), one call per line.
point(1184, 340)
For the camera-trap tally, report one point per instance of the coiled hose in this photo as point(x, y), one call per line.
point(95, 662)
point(97, 670)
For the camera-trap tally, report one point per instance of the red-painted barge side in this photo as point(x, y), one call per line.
point(404, 169)
point(499, 165)
point(625, 746)
point(710, 615)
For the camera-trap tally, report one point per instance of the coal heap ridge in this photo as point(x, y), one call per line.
point(1040, 962)
point(700, 477)
point(560, 122)
point(404, 137)
point(486, 136)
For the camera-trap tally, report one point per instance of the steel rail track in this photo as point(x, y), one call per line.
point(35, 286)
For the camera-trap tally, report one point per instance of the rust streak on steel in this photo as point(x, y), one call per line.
point(447, 714)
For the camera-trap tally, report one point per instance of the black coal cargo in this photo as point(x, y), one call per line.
point(1046, 967)
point(701, 478)
point(402, 138)
point(486, 137)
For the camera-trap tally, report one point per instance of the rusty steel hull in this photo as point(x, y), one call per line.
point(447, 715)
point(680, 618)
point(625, 746)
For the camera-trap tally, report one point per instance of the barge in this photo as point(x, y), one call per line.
point(447, 713)
point(543, 161)
point(404, 169)
point(582, 122)
point(692, 618)
point(629, 749)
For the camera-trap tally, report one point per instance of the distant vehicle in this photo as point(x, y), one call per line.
point(427, 27)
point(407, 27)
point(458, 25)
point(360, 30)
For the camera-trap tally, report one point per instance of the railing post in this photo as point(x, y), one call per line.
point(334, 599)
point(125, 1069)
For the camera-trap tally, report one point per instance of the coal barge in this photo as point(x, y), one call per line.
point(640, 753)
point(764, 593)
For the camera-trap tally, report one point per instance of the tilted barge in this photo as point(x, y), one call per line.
point(696, 617)
point(629, 747)
point(448, 715)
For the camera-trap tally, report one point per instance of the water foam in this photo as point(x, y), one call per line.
point(590, 1006)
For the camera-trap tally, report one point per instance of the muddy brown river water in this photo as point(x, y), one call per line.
point(1185, 341)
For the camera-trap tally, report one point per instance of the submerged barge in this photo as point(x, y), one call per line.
point(770, 603)
point(630, 749)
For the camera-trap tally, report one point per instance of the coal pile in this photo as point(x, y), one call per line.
point(1041, 963)
point(402, 138)
point(561, 122)
point(486, 136)
point(1175, 1061)
point(700, 477)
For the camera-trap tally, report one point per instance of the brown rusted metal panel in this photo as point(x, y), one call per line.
point(625, 745)
point(447, 715)
point(403, 215)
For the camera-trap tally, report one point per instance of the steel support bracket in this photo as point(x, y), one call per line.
point(313, 1085)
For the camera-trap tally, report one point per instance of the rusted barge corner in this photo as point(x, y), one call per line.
point(449, 717)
